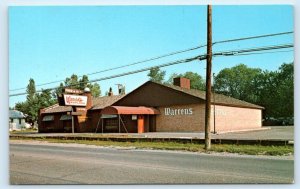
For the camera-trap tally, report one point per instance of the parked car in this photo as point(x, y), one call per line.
point(281, 121)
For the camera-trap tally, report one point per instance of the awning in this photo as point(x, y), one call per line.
point(48, 118)
point(126, 110)
point(65, 117)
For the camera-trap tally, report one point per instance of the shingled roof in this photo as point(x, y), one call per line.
point(102, 102)
point(220, 99)
point(98, 103)
point(16, 114)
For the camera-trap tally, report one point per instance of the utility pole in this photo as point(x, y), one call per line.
point(208, 79)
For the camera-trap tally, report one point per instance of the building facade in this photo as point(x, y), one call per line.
point(154, 107)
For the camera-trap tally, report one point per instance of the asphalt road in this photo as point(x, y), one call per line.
point(44, 164)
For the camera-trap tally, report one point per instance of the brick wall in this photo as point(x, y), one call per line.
point(227, 118)
point(183, 120)
point(233, 118)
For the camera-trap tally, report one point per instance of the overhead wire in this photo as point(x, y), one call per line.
point(201, 57)
point(168, 54)
point(123, 74)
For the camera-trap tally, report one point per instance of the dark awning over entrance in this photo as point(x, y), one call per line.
point(126, 110)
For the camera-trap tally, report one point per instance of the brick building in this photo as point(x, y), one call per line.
point(154, 107)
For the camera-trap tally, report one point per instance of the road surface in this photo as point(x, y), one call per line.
point(65, 164)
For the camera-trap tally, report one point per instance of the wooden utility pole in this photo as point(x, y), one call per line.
point(208, 79)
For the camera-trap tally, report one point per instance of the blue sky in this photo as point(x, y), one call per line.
point(50, 43)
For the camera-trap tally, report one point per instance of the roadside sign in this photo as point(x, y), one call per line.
point(75, 100)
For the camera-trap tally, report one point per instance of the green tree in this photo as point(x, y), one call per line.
point(239, 82)
point(197, 82)
point(274, 90)
point(58, 91)
point(83, 82)
point(34, 102)
point(72, 82)
point(95, 89)
point(277, 94)
point(30, 90)
point(156, 75)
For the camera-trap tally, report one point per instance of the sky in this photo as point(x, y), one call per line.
point(50, 43)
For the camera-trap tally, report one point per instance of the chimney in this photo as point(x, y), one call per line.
point(110, 93)
point(182, 82)
point(87, 92)
point(121, 89)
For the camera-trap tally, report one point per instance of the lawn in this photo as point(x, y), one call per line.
point(226, 148)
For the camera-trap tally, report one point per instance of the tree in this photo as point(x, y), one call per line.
point(95, 89)
point(197, 82)
point(156, 75)
point(274, 90)
point(34, 102)
point(58, 91)
point(83, 82)
point(30, 90)
point(239, 82)
point(73, 83)
point(277, 94)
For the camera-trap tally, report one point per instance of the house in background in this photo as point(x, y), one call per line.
point(17, 120)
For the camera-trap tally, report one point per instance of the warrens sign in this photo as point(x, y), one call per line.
point(75, 100)
point(178, 111)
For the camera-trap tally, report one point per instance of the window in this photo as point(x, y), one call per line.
point(20, 121)
point(65, 117)
point(48, 118)
point(112, 122)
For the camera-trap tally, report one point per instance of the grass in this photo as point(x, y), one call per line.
point(24, 131)
point(227, 148)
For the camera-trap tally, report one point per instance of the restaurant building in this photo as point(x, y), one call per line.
point(153, 107)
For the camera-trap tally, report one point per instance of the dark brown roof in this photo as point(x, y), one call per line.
point(98, 103)
point(56, 109)
point(102, 102)
point(220, 99)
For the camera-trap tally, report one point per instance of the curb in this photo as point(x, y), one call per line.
point(178, 140)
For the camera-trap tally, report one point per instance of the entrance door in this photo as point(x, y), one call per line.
point(152, 123)
point(111, 125)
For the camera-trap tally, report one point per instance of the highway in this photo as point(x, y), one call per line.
point(69, 164)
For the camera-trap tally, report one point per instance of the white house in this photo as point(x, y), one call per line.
point(17, 120)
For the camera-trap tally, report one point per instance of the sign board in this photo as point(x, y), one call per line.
point(73, 91)
point(134, 117)
point(75, 100)
point(178, 111)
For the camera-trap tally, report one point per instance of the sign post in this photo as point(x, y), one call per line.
point(72, 121)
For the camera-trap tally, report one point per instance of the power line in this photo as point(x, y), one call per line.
point(253, 37)
point(169, 54)
point(201, 57)
point(126, 73)
point(127, 65)
point(265, 48)
point(245, 54)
